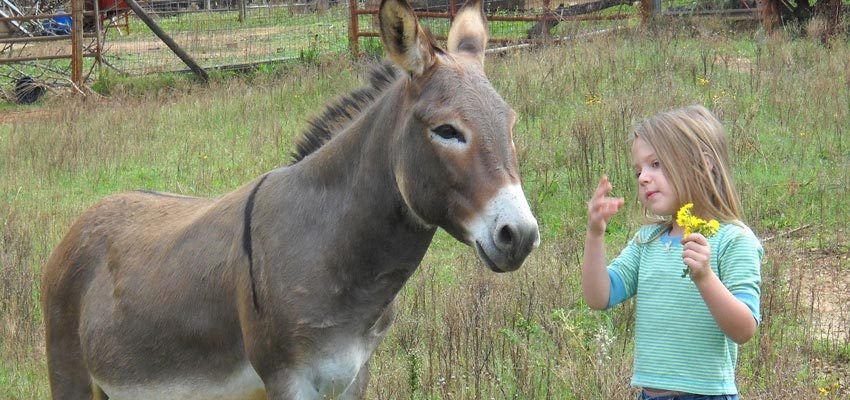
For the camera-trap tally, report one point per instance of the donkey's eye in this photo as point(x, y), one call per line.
point(449, 132)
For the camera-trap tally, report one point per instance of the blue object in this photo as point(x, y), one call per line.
point(57, 26)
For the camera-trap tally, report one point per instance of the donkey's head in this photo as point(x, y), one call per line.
point(455, 162)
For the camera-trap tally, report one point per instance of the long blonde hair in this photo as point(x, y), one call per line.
point(690, 142)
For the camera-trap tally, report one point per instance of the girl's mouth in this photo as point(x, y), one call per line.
point(650, 194)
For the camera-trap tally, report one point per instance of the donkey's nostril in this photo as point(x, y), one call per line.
point(505, 237)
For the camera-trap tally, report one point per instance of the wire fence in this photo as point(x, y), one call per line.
point(233, 32)
point(227, 35)
point(221, 33)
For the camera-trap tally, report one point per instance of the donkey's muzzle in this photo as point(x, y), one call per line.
point(512, 243)
point(506, 232)
point(515, 242)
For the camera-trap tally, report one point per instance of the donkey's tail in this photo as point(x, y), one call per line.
point(62, 284)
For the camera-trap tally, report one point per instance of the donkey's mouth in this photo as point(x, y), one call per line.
point(487, 260)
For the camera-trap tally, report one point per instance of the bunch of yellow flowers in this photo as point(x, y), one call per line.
point(693, 224)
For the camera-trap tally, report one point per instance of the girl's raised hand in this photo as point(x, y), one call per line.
point(601, 208)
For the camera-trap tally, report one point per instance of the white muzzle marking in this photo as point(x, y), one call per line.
point(505, 231)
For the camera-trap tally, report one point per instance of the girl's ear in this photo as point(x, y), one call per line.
point(713, 170)
point(709, 161)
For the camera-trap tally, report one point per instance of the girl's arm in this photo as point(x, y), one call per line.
point(595, 284)
point(732, 315)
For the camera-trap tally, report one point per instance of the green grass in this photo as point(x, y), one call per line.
point(463, 333)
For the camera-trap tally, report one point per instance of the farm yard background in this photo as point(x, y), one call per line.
point(236, 33)
point(462, 332)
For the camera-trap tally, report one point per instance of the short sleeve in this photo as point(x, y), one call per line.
point(739, 261)
point(623, 273)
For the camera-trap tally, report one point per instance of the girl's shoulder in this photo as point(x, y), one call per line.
point(650, 232)
point(735, 229)
point(737, 232)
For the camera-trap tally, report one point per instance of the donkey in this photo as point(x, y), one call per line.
point(283, 288)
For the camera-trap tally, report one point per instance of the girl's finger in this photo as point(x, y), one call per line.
point(695, 238)
point(613, 205)
point(603, 188)
point(697, 247)
point(698, 258)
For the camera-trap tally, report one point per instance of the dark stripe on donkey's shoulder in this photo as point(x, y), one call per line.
point(246, 239)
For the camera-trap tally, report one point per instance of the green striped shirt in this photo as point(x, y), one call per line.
point(678, 345)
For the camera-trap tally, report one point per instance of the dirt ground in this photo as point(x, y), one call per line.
point(818, 280)
point(228, 39)
point(11, 117)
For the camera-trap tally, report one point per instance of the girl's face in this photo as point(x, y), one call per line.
point(654, 189)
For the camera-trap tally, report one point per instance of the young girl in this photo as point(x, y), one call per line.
point(687, 327)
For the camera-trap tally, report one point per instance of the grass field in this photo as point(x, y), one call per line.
point(465, 333)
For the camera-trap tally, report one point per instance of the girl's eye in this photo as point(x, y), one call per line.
point(637, 174)
point(656, 164)
point(449, 132)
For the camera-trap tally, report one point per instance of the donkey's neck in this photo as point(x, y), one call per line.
point(351, 183)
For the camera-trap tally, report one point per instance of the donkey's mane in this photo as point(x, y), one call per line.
point(339, 114)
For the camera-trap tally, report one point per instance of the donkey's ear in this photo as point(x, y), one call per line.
point(405, 41)
point(468, 35)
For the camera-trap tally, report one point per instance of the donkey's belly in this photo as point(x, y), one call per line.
point(242, 384)
point(132, 353)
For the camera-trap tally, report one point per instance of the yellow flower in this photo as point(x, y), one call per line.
point(710, 228)
point(693, 224)
point(682, 217)
point(703, 80)
point(592, 99)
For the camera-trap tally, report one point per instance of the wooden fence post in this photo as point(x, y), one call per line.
point(769, 15)
point(353, 29)
point(646, 11)
point(77, 42)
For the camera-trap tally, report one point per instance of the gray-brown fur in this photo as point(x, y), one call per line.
point(282, 288)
